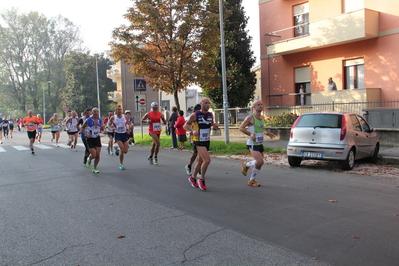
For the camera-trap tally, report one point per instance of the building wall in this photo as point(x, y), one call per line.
point(380, 54)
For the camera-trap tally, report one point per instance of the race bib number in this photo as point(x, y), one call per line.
point(39, 126)
point(156, 126)
point(120, 128)
point(95, 132)
point(205, 134)
point(56, 128)
point(259, 138)
point(31, 125)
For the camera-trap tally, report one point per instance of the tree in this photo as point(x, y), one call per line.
point(239, 60)
point(80, 91)
point(162, 43)
point(32, 49)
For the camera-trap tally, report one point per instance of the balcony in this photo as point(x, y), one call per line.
point(113, 73)
point(344, 28)
point(114, 95)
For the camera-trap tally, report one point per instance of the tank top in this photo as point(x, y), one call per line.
point(203, 124)
point(155, 125)
point(120, 124)
point(256, 128)
point(93, 129)
point(55, 126)
point(73, 125)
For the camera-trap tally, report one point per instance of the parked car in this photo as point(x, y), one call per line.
point(336, 136)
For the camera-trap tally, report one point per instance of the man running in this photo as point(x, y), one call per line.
point(39, 129)
point(154, 118)
point(201, 135)
point(72, 129)
point(86, 114)
point(197, 107)
point(95, 126)
point(121, 124)
point(110, 132)
point(11, 125)
point(31, 122)
point(255, 132)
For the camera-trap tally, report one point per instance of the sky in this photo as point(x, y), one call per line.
point(97, 19)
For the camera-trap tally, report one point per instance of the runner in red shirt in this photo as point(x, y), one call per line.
point(31, 123)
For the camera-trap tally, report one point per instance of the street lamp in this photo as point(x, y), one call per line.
point(44, 102)
point(224, 81)
point(98, 88)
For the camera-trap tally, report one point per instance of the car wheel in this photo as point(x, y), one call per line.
point(349, 162)
point(374, 157)
point(294, 161)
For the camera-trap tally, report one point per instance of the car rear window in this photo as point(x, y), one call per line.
point(320, 120)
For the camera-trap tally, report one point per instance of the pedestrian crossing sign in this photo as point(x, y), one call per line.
point(140, 85)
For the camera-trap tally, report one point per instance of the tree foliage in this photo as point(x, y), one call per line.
point(80, 91)
point(239, 60)
point(163, 42)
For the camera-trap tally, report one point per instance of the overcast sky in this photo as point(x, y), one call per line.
point(97, 19)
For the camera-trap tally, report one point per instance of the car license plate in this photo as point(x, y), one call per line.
point(312, 154)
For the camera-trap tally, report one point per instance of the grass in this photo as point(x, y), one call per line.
point(217, 147)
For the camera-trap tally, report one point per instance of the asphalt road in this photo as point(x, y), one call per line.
point(56, 212)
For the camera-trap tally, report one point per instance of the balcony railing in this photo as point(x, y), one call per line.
point(349, 27)
point(114, 95)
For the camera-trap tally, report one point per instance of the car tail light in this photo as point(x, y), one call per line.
point(292, 128)
point(343, 128)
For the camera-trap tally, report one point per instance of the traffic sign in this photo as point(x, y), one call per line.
point(141, 103)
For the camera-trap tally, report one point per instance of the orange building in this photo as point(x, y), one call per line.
point(355, 42)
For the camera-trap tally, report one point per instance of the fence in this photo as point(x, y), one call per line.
point(237, 115)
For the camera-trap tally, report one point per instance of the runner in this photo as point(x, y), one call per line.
point(110, 132)
point(255, 132)
point(4, 125)
point(55, 124)
point(95, 126)
point(86, 114)
point(31, 122)
point(121, 124)
point(1, 129)
point(72, 129)
point(205, 121)
point(197, 107)
point(39, 129)
point(64, 125)
point(130, 118)
point(11, 125)
point(154, 118)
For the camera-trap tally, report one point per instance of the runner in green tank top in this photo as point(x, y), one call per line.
point(255, 132)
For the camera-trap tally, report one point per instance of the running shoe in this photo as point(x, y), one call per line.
point(244, 168)
point(201, 183)
point(156, 161)
point(150, 159)
point(122, 167)
point(88, 163)
point(1, 142)
point(33, 152)
point(253, 183)
point(39, 141)
point(193, 182)
point(188, 169)
point(95, 171)
point(199, 174)
point(116, 151)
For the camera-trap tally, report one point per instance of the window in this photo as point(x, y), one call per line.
point(355, 123)
point(363, 123)
point(354, 73)
point(353, 5)
point(302, 78)
point(301, 19)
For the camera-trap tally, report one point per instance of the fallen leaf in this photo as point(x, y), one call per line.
point(357, 237)
point(333, 200)
point(121, 237)
point(315, 258)
point(111, 204)
point(396, 215)
point(306, 187)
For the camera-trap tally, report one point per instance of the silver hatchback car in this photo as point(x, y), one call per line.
point(336, 136)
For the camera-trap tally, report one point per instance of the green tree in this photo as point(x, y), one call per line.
point(80, 91)
point(239, 59)
point(162, 43)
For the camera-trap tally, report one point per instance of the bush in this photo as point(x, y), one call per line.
point(285, 120)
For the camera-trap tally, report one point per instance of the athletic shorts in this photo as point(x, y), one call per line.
point(11, 127)
point(72, 133)
point(39, 130)
point(55, 131)
point(121, 137)
point(94, 142)
point(258, 148)
point(110, 134)
point(182, 138)
point(32, 134)
point(86, 145)
point(201, 144)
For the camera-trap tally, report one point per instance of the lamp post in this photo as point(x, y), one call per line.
point(224, 82)
point(98, 88)
point(44, 102)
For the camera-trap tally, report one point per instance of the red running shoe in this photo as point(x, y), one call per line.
point(193, 182)
point(201, 183)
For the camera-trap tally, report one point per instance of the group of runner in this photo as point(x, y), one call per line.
point(119, 128)
point(6, 127)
